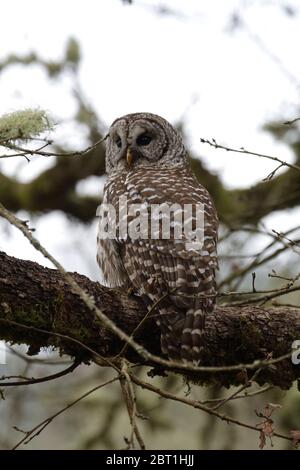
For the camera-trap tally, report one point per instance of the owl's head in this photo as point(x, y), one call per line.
point(143, 139)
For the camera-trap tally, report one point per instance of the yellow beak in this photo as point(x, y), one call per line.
point(129, 157)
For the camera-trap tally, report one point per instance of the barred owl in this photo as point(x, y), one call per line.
point(147, 166)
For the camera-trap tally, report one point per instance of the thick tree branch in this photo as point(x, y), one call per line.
point(41, 299)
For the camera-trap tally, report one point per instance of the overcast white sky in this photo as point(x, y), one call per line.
point(185, 63)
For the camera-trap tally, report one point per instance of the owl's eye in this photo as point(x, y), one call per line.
point(118, 142)
point(144, 139)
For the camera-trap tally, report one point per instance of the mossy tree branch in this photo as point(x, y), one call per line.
point(40, 298)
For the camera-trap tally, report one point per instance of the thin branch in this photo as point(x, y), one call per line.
point(214, 144)
point(254, 264)
point(34, 432)
point(266, 298)
point(238, 397)
point(198, 405)
point(268, 52)
point(288, 123)
point(39, 151)
point(130, 400)
point(48, 378)
point(37, 360)
point(239, 390)
point(291, 243)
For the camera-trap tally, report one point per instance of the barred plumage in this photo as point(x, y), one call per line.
point(147, 162)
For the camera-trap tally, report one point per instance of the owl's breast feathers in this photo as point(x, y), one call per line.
point(155, 266)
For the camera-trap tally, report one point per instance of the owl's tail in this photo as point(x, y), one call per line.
point(171, 324)
point(192, 336)
point(182, 335)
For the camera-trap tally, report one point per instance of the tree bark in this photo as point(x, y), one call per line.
point(39, 297)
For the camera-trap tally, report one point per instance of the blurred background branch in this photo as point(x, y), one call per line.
point(56, 188)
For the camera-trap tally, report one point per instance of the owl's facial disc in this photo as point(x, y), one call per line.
point(142, 139)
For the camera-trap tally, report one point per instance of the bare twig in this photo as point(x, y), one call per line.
point(38, 360)
point(238, 397)
point(38, 151)
point(130, 400)
point(34, 432)
point(266, 298)
point(48, 378)
point(240, 389)
point(214, 144)
point(198, 405)
point(258, 261)
point(288, 123)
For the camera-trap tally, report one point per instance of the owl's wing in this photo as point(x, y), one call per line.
point(174, 266)
point(174, 263)
point(112, 271)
